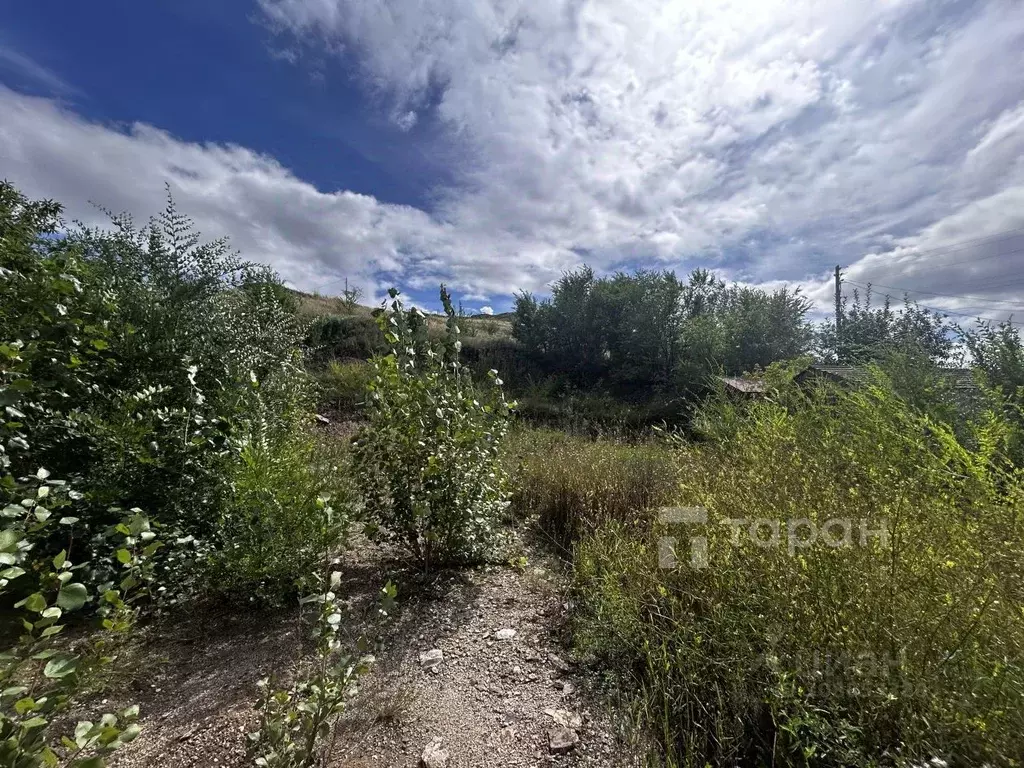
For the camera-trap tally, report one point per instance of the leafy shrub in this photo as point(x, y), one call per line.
point(40, 676)
point(344, 385)
point(290, 505)
point(428, 462)
point(514, 363)
point(150, 371)
point(899, 644)
point(128, 357)
point(343, 337)
point(574, 484)
point(295, 724)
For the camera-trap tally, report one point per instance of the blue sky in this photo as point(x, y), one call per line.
point(492, 145)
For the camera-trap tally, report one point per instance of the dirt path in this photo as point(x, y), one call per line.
point(471, 672)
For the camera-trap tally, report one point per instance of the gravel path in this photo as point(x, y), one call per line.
point(502, 694)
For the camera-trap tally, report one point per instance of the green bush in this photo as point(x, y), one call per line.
point(41, 675)
point(574, 484)
point(147, 371)
point(290, 505)
point(343, 337)
point(129, 358)
point(878, 649)
point(516, 366)
point(158, 372)
point(344, 385)
point(428, 461)
point(297, 724)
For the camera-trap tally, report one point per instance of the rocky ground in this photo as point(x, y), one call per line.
point(471, 671)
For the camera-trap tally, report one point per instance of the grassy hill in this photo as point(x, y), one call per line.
point(314, 305)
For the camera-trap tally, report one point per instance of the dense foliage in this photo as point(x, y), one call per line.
point(149, 382)
point(650, 328)
point(872, 333)
point(341, 337)
point(428, 459)
point(891, 635)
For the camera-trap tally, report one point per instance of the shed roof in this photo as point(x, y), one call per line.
point(746, 386)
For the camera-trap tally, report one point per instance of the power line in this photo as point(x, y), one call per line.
point(940, 311)
point(980, 258)
point(973, 316)
point(932, 293)
point(967, 314)
point(1008, 234)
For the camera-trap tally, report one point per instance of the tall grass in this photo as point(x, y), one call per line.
point(574, 484)
point(887, 649)
point(343, 385)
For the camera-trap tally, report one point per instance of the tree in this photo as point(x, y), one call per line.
point(428, 463)
point(650, 329)
point(869, 333)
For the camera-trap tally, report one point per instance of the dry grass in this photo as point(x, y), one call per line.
point(780, 651)
point(574, 484)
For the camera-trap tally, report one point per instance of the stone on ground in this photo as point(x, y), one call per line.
point(431, 658)
point(433, 756)
point(562, 740)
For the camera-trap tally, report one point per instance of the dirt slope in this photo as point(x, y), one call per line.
point(503, 693)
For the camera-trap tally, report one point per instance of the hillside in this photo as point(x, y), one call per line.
point(314, 306)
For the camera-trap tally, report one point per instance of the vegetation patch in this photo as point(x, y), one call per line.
point(839, 585)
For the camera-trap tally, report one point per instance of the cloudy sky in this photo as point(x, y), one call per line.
point(493, 144)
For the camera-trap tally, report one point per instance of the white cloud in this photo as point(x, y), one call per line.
point(405, 121)
point(486, 310)
point(661, 131)
point(771, 138)
point(311, 237)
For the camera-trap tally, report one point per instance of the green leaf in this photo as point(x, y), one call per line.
point(72, 596)
point(62, 666)
point(100, 344)
point(35, 602)
point(9, 539)
point(82, 732)
point(60, 559)
point(124, 556)
point(25, 705)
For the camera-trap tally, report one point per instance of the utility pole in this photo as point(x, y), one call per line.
point(839, 311)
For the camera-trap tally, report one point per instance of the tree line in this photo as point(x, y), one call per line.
point(652, 329)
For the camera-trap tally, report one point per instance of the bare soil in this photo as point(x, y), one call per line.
point(496, 699)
